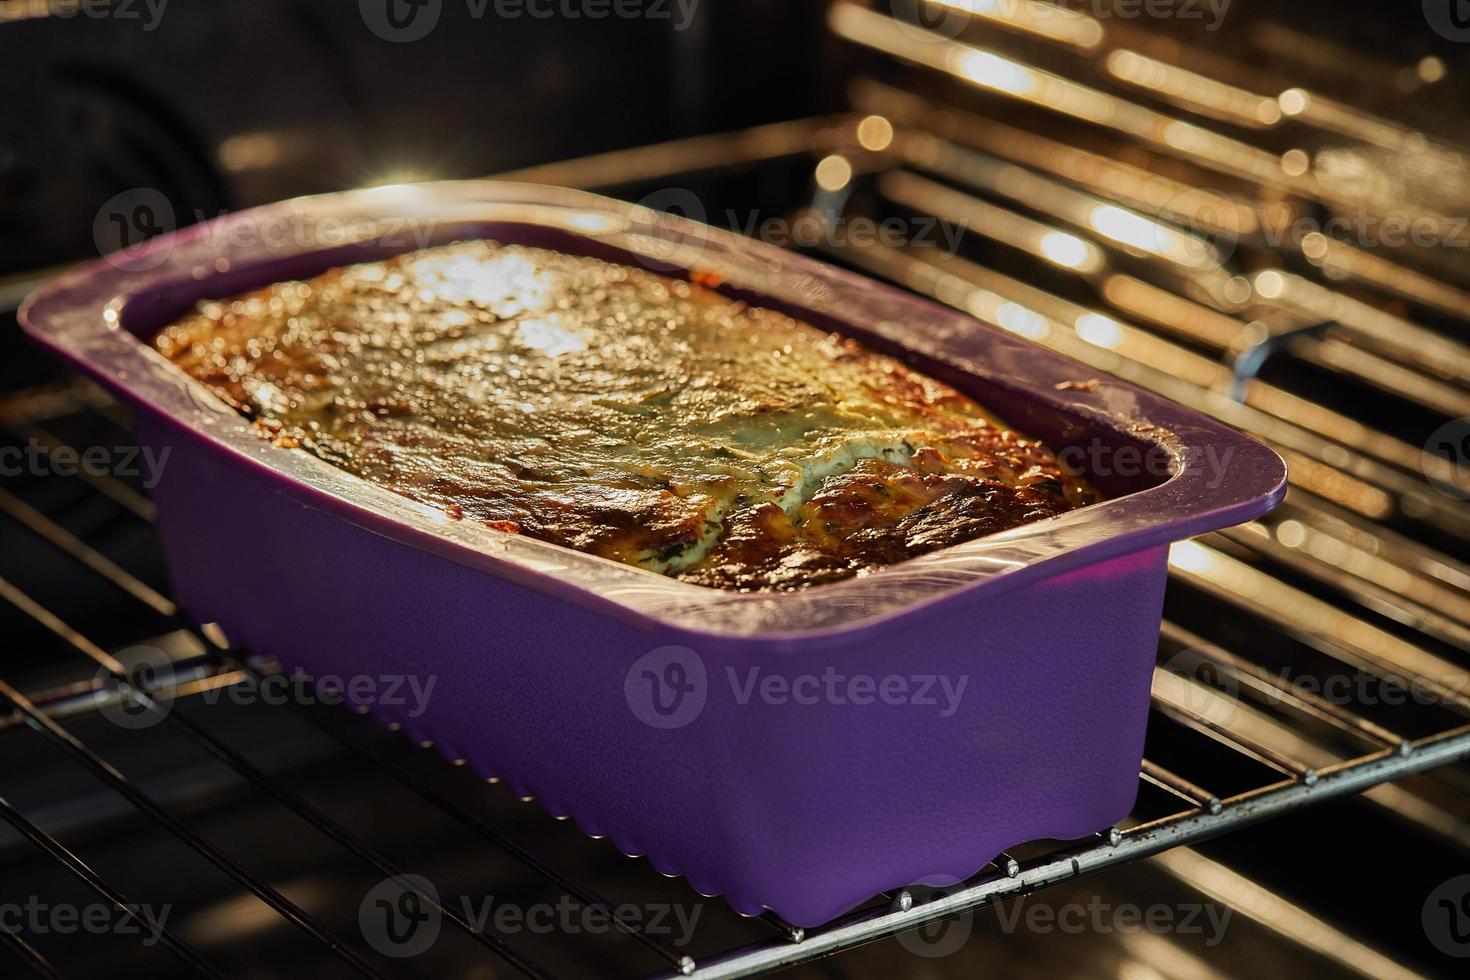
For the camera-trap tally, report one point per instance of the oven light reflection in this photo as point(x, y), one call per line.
point(1019, 320)
point(1122, 226)
point(875, 133)
point(1099, 330)
point(1067, 250)
point(1034, 17)
point(833, 173)
point(993, 71)
point(1191, 556)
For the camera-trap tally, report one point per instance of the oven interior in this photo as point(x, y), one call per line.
point(1261, 221)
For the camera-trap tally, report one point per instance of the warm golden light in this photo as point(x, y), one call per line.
point(1019, 320)
point(1294, 101)
point(993, 71)
point(875, 133)
point(1067, 250)
point(1295, 162)
point(1197, 92)
point(1099, 330)
point(547, 336)
point(1291, 534)
point(1043, 20)
point(1315, 246)
point(251, 151)
point(508, 284)
point(1270, 285)
point(1138, 232)
point(1431, 70)
point(1191, 556)
point(833, 173)
point(1054, 92)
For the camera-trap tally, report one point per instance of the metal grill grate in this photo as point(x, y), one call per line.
point(1300, 769)
point(1177, 807)
point(1360, 575)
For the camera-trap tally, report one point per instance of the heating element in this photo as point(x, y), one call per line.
point(1115, 195)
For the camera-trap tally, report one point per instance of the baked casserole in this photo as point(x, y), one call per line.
point(607, 408)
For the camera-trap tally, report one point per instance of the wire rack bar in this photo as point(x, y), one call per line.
point(1272, 686)
point(34, 959)
point(110, 485)
point(480, 827)
point(1132, 844)
point(84, 697)
point(1234, 739)
point(45, 402)
point(63, 539)
point(99, 767)
point(309, 813)
point(94, 560)
point(1177, 785)
point(92, 880)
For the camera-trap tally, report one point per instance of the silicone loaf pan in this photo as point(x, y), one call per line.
point(798, 752)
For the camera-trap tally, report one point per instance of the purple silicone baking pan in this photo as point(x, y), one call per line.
point(798, 752)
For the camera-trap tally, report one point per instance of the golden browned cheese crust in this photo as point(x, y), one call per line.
point(605, 408)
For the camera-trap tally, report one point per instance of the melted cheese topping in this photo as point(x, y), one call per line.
point(605, 408)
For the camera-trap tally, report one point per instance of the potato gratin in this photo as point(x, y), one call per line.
point(605, 408)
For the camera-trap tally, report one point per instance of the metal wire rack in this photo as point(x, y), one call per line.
point(1298, 769)
point(1358, 576)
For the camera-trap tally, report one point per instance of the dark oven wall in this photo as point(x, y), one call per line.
point(188, 109)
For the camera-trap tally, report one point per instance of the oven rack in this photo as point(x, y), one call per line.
point(1302, 777)
point(1311, 577)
